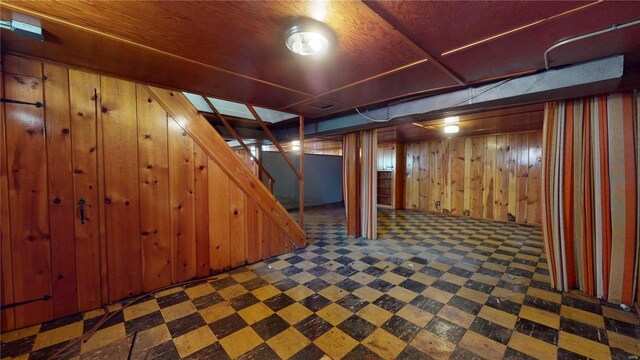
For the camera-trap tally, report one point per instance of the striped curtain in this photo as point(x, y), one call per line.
point(369, 182)
point(590, 195)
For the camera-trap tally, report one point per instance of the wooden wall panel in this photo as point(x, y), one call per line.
point(400, 176)
point(237, 225)
point(28, 198)
point(513, 178)
point(468, 152)
point(501, 191)
point(218, 218)
point(155, 219)
point(182, 202)
point(522, 175)
point(83, 113)
point(160, 206)
point(492, 177)
point(7, 318)
point(201, 185)
point(61, 202)
point(533, 180)
point(122, 203)
point(488, 200)
point(445, 163)
point(424, 186)
point(266, 236)
point(457, 176)
point(409, 178)
point(391, 158)
point(254, 232)
point(478, 147)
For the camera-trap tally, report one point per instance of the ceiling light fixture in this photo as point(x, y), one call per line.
point(451, 120)
point(309, 37)
point(451, 129)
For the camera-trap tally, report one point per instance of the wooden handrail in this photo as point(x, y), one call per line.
point(239, 139)
point(275, 142)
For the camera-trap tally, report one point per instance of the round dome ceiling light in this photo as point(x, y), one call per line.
point(451, 129)
point(309, 38)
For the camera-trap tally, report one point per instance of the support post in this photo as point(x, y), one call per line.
point(301, 220)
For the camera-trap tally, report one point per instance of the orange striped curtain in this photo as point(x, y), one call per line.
point(369, 182)
point(590, 195)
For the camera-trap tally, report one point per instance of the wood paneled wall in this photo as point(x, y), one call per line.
point(492, 177)
point(161, 205)
point(391, 157)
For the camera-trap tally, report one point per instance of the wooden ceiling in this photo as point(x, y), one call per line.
point(514, 119)
point(385, 49)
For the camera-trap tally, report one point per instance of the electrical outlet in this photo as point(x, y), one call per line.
point(438, 203)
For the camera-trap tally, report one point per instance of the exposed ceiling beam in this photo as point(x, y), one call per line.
point(398, 26)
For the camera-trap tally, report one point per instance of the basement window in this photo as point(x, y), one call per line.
point(236, 109)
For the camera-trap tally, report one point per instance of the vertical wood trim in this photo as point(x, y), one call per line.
point(26, 154)
point(522, 174)
point(301, 195)
point(533, 180)
point(458, 176)
point(218, 217)
point(478, 146)
point(489, 178)
point(155, 219)
point(122, 201)
point(7, 318)
point(60, 189)
point(400, 175)
point(353, 202)
point(447, 173)
point(201, 211)
point(182, 202)
point(419, 176)
point(82, 104)
point(502, 178)
point(266, 236)
point(102, 196)
point(254, 231)
point(468, 160)
point(237, 225)
point(513, 178)
point(237, 230)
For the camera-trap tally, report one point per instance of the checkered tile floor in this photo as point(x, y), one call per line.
point(433, 286)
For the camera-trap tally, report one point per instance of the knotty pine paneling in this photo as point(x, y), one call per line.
point(159, 208)
point(61, 204)
point(491, 177)
point(182, 202)
point(391, 158)
point(122, 197)
point(28, 191)
point(155, 217)
point(83, 102)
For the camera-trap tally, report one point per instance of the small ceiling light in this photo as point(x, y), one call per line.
point(295, 142)
point(309, 37)
point(451, 129)
point(451, 120)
